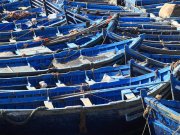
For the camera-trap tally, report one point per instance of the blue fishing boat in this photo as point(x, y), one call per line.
point(154, 50)
point(119, 101)
point(43, 32)
point(89, 77)
point(67, 79)
point(30, 48)
point(88, 37)
point(58, 33)
point(147, 26)
point(144, 2)
point(149, 29)
point(126, 16)
point(99, 14)
point(162, 45)
point(143, 48)
point(93, 7)
point(163, 116)
point(24, 4)
point(94, 57)
point(175, 82)
point(163, 59)
point(152, 30)
point(65, 74)
point(163, 38)
point(51, 20)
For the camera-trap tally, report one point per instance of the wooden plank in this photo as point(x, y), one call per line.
point(30, 88)
point(130, 96)
point(86, 102)
point(60, 85)
point(48, 104)
point(127, 94)
point(90, 82)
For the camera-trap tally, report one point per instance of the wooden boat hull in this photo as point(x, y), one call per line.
point(26, 24)
point(163, 116)
point(33, 13)
point(42, 32)
point(117, 116)
point(84, 38)
point(91, 6)
point(18, 83)
point(65, 61)
point(157, 59)
point(175, 88)
point(144, 2)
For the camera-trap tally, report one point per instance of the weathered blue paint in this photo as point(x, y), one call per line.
point(163, 116)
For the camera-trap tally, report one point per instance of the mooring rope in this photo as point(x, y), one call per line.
point(4, 115)
point(147, 112)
